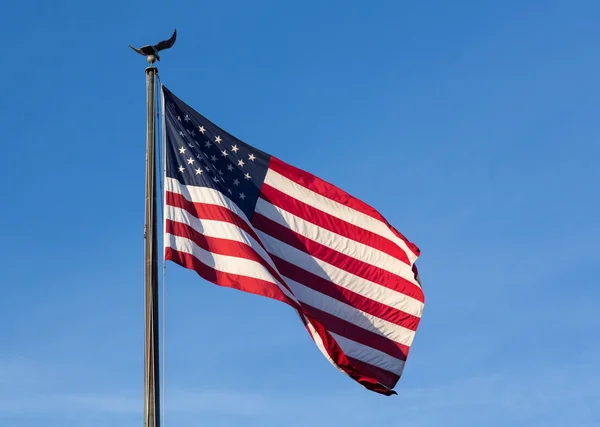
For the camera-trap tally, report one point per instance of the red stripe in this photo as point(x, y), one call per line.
point(378, 383)
point(344, 295)
point(209, 211)
point(221, 246)
point(229, 280)
point(332, 223)
point(356, 333)
point(386, 378)
point(332, 192)
point(338, 259)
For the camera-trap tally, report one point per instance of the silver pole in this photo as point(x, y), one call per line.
point(151, 365)
point(151, 350)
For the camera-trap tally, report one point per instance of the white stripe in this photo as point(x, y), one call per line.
point(336, 241)
point(336, 209)
point(319, 341)
point(369, 355)
point(206, 195)
point(341, 277)
point(224, 263)
point(211, 196)
point(351, 314)
point(217, 229)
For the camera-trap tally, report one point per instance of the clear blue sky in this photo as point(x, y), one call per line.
point(472, 126)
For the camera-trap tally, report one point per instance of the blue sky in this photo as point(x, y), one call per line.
point(472, 126)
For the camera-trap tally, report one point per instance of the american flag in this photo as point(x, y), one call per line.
point(244, 219)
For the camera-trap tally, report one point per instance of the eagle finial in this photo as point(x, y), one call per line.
point(151, 51)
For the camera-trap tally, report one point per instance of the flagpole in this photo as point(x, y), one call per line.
point(151, 349)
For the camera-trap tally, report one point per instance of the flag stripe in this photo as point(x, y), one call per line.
point(338, 259)
point(334, 323)
point(368, 354)
point(197, 206)
point(385, 377)
point(225, 246)
point(391, 313)
point(374, 378)
point(352, 314)
point(304, 210)
point(226, 263)
point(214, 226)
point(333, 237)
point(340, 277)
point(205, 196)
point(330, 199)
point(248, 284)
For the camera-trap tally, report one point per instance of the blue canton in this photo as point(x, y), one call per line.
point(197, 152)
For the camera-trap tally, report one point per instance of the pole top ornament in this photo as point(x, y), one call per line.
point(151, 51)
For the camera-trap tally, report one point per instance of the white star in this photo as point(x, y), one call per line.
point(235, 148)
point(229, 168)
point(191, 145)
point(181, 133)
point(241, 163)
point(236, 182)
point(198, 156)
point(201, 129)
point(251, 157)
point(181, 169)
point(213, 158)
point(224, 153)
point(190, 160)
point(182, 150)
point(218, 139)
point(187, 118)
point(247, 176)
point(208, 144)
point(242, 196)
point(179, 118)
point(229, 191)
point(193, 132)
point(199, 171)
point(215, 179)
point(220, 172)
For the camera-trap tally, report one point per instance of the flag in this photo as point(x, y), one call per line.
point(247, 220)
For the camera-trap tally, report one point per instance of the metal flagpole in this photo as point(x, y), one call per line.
point(151, 366)
point(151, 349)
